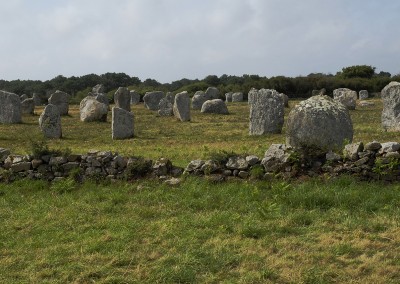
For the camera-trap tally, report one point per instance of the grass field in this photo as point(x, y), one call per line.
point(308, 231)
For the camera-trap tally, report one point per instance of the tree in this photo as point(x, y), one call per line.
point(358, 71)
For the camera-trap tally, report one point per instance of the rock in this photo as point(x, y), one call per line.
point(165, 107)
point(135, 97)
point(122, 123)
point(252, 160)
point(173, 181)
point(237, 163)
point(37, 100)
point(250, 96)
point(102, 98)
point(98, 89)
point(227, 173)
point(162, 167)
point(21, 167)
point(332, 156)
point(28, 106)
point(285, 99)
point(152, 99)
point(243, 174)
point(388, 147)
point(176, 171)
point(351, 150)
point(319, 123)
point(266, 112)
point(10, 108)
point(212, 93)
point(199, 99)
point(320, 92)
point(346, 97)
point(4, 154)
point(57, 161)
point(50, 122)
point(276, 157)
point(228, 97)
point(181, 107)
point(36, 163)
point(215, 106)
point(373, 146)
point(90, 109)
point(237, 97)
point(363, 94)
point(23, 97)
point(122, 99)
point(61, 101)
point(391, 107)
point(392, 155)
point(194, 165)
point(209, 167)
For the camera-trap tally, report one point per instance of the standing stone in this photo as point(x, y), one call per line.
point(10, 108)
point(199, 99)
point(237, 97)
point(391, 107)
point(61, 100)
point(23, 97)
point(50, 122)
point(285, 99)
point(98, 89)
point(363, 94)
point(102, 98)
point(182, 106)
point(215, 106)
point(122, 98)
point(165, 107)
point(266, 112)
point(122, 123)
point(37, 99)
point(250, 96)
point(228, 97)
point(28, 106)
point(152, 99)
point(212, 93)
point(91, 109)
point(346, 97)
point(135, 97)
point(319, 123)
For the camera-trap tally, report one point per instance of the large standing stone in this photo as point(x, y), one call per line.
point(266, 112)
point(61, 100)
point(122, 98)
point(28, 106)
point(228, 97)
point(237, 97)
point(346, 97)
point(391, 107)
point(363, 94)
point(199, 99)
point(165, 107)
point(182, 106)
point(152, 99)
point(10, 108)
point(50, 122)
point(91, 109)
point(36, 98)
point(217, 106)
point(98, 89)
point(212, 93)
point(319, 123)
point(135, 97)
point(122, 123)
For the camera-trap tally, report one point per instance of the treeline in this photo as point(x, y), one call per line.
point(360, 77)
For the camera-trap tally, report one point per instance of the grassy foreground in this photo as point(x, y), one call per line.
point(337, 231)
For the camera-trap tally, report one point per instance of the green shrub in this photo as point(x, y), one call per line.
point(138, 167)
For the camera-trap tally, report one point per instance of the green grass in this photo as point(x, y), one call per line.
point(308, 231)
point(337, 231)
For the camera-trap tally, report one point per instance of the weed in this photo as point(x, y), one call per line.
point(137, 167)
point(257, 172)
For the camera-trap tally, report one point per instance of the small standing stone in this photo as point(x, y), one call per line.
point(135, 97)
point(122, 124)
point(363, 94)
point(61, 100)
point(228, 97)
point(152, 99)
point(28, 106)
point(199, 99)
point(212, 93)
point(165, 107)
point(10, 108)
point(237, 97)
point(50, 122)
point(122, 99)
point(182, 106)
point(36, 98)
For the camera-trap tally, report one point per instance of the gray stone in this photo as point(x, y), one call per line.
point(391, 107)
point(320, 92)
point(152, 99)
point(28, 106)
point(237, 97)
point(57, 161)
point(373, 146)
point(70, 166)
point(61, 101)
point(237, 163)
point(194, 165)
point(346, 96)
point(285, 99)
point(135, 97)
point(98, 89)
point(21, 167)
point(228, 97)
point(162, 167)
point(166, 105)
point(251, 95)
point(243, 174)
point(122, 124)
point(181, 107)
point(172, 181)
point(209, 167)
point(363, 94)
point(319, 123)
point(23, 97)
point(276, 157)
point(4, 154)
point(10, 108)
point(122, 99)
point(266, 112)
point(50, 122)
point(392, 155)
point(351, 150)
point(199, 99)
point(212, 93)
point(388, 147)
point(102, 98)
point(37, 100)
point(90, 109)
point(217, 106)
point(252, 160)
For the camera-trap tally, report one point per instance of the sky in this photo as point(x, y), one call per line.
point(168, 40)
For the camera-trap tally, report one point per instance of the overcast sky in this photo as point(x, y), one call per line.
point(169, 40)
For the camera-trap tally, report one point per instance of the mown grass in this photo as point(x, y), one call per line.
point(308, 231)
point(337, 231)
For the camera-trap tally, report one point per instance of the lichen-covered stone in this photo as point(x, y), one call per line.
point(135, 97)
point(237, 97)
point(28, 106)
point(199, 99)
point(276, 157)
point(122, 124)
point(50, 122)
point(363, 94)
point(122, 99)
point(152, 99)
point(391, 107)
point(216, 106)
point(346, 96)
point(212, 93)
point(10, 108)
point(90, 109)
point(61, 101)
